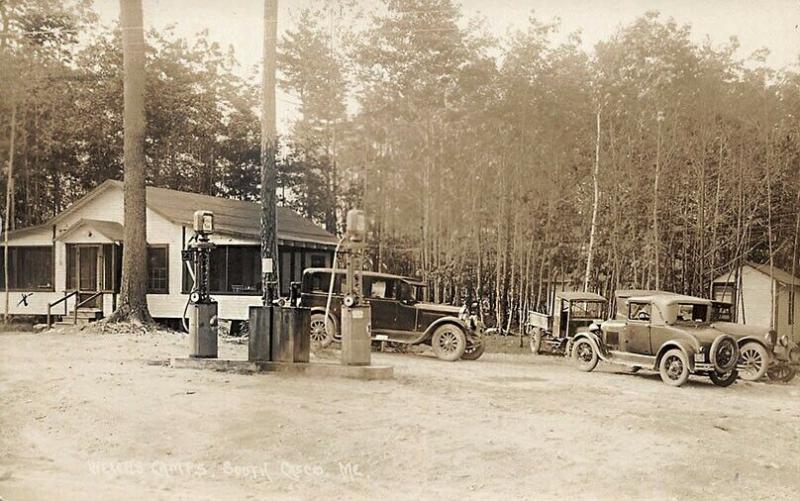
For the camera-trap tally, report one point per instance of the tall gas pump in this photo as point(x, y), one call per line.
point(356, 314)
point(202, 308)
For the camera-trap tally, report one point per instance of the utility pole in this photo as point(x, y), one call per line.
point(269, 143)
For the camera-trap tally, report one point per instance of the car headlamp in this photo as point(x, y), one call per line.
point(784, 341)
point(771, 337)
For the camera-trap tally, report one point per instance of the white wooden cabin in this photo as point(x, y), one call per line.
point(750, 288)
point(80, 251)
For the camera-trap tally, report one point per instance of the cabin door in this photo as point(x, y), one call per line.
point(88, 256)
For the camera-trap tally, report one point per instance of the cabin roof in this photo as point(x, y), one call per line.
point(111, 230)
point(233, 217)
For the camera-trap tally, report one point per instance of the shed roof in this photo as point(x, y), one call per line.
point(778, 274)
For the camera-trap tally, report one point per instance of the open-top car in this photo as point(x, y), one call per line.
point(757, 345)
point(668, 333)
point(399, 315)
point(572, 311)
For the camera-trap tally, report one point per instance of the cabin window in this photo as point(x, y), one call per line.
point(293, 261)
point(157, 269)
point(244, 269)
point(235, 269)
point(30, 268)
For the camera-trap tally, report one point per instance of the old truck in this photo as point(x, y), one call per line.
point(572, 311)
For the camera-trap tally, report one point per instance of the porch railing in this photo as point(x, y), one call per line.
point(78, 304)
point(54, 303)
point(85, 301)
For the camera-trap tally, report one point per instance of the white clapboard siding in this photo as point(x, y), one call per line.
point(106, 204)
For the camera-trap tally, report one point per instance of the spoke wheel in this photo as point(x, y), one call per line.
point(753, 360)
point(474, 350)
point(321, 335)
point(783, 373)
point(584, 355)
point(724, 380)
point(449, 343)
point(674, 368)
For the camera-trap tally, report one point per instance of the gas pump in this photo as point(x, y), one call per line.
point(356, 315)
point(202, 308)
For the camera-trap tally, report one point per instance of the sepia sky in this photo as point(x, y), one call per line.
point(774, 24)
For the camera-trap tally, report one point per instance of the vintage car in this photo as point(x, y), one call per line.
point(786, 362)
point(756, 344)
point(669, 333)
point(399, 315)
point(573, 311)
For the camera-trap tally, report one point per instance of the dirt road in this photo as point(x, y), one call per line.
point(86, 417)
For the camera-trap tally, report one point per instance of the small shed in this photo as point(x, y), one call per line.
point(761, 295)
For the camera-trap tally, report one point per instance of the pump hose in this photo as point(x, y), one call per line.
point(330, 287)
point(192, 290)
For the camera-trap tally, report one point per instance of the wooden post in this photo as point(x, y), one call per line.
point(269, 241)
point(9, 190)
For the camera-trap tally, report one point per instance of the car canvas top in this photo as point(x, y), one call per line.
point(373, 274)
point(579, 296)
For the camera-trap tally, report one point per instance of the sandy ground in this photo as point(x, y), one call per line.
point(87, 417)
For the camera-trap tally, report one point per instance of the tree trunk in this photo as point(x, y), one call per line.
point(595, 182)
point(269, 240)
point(133, 293)
point(656, 243)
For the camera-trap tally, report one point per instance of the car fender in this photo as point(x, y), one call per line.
point(334, 319)
point(754, 339)
point(426, 336)
point(593, 339)
point(687, 348)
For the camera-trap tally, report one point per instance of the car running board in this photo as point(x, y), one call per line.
point(633, 359)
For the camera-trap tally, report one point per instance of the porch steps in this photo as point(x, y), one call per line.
point(85, 315)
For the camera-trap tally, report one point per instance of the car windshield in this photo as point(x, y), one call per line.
point(320, 282)
point(722, 313)
point(409, 292)
point(692, 313)
point(587, 309)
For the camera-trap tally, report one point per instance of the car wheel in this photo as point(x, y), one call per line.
point(473, 351)
point(753, 358)
point(783, 373)
point(536, 341)
point(724, 380)
point(584, 355)
point(449, 342)
point(320, 336)
point(674, 368)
